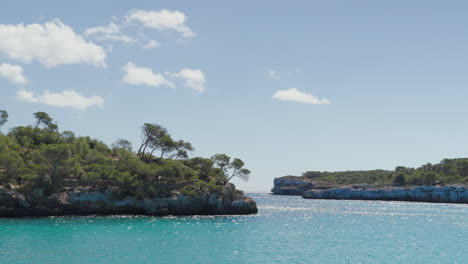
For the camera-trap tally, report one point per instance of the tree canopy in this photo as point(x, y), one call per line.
point(3, 117)
point(448, 171)
point(231, 169)
point(40, 156)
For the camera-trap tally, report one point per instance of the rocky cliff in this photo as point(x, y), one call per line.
point(296, 186)
point(89, 200)
point(445, 194)
point(316, 190)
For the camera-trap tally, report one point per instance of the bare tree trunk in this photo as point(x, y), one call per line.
point(142, 148)
point(232, 176)
point(143, 152)
point(151, 154)
point(139, 150)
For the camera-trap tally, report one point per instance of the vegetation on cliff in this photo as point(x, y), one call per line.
point(448, 171)
point(39, 156)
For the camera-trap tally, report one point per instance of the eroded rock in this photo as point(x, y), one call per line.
point(444, 194)
point(86, 200)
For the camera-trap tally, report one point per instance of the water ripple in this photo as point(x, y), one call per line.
point(286, 230)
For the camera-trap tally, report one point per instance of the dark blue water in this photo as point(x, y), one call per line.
point(286, 230)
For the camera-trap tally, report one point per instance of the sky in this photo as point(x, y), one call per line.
point(287, 86)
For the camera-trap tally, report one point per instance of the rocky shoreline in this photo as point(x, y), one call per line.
point(317, 190)
point(98, 201)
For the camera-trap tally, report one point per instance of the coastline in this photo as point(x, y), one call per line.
point(319, 190)
point(96, 201)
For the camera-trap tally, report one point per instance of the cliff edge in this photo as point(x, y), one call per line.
point(107, 201)
point(318, 190)
point(432, 194)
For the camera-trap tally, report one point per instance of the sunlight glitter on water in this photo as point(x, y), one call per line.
point(286, 230)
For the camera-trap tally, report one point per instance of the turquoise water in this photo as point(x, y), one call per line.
point(286, 230)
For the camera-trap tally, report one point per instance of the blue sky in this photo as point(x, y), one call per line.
point(287, 86)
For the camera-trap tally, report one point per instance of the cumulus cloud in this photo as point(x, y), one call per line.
point(64, 99)
point(13, 73)
point(294, 95)
point(51, 44)
point(192, 78)
point(109, 32)
point(112, 28)
point(164, 20)
point(273, 74)
point(135, 75)
point(152, 44)
point(122, 38)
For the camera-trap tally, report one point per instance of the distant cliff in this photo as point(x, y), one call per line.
point(444, 194)
point(316, 190)
point(90, 200)
point(296, 186)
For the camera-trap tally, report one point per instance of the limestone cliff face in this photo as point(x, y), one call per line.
point(445, 194)
point(296, 186)
point(87, 200)
point(316, 190)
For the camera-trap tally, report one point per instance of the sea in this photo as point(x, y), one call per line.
point(287, 229)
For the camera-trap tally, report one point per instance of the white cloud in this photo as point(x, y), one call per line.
point(152, 44)
point(13, 73)
point(26, 96)
point(109, 32)
point(122, 38)
point(112, 28)
point(294, 95)
point(135, 75)
point(192, 78)
point(164, 20)
point(64, 99)
point(52, 43)
point(273, 74)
